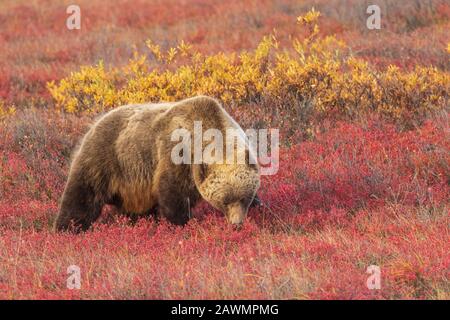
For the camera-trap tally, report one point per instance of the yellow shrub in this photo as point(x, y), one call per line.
point(316, 71)
point(6, 111)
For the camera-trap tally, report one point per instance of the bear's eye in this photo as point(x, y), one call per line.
point(227, 201)
point(230, 199)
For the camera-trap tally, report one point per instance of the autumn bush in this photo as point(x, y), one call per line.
point(319, 76)
point(37, 48)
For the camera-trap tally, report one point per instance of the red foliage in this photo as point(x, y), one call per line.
point(355, 196)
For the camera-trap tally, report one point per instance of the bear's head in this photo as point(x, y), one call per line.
point(230, 188)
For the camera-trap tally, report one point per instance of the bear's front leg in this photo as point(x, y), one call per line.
point(79, 207)
point(174, 208)
point(173, 195)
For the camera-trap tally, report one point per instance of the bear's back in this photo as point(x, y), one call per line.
point(129, 137)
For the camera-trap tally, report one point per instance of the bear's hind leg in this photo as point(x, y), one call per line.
point(79, 207)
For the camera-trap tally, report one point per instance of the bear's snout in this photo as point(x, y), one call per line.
point(236, 213)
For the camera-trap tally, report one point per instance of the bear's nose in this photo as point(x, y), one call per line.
point(236, 214)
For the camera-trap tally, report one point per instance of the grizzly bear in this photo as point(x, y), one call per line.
point(126, 160)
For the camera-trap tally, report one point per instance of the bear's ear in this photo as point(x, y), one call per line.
point(198, 173)
point(250, 160)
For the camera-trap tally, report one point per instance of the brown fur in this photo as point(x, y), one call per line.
point(124, 160)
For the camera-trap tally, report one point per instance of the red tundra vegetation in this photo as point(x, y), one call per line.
point(350, 193)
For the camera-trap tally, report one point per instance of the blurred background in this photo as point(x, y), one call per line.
point(37, 47)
